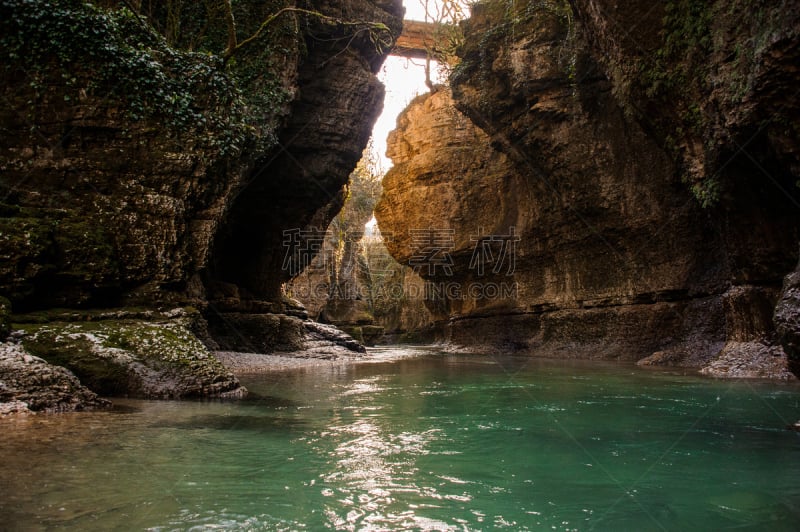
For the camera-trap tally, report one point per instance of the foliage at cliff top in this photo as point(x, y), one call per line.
point(508, 21)
point(703, 88)
point(114, 55)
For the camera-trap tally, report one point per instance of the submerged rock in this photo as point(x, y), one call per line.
point(29, 384)
point(137, 358)
point(747, 509)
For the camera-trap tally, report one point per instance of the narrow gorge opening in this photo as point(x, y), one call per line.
point(354, 282)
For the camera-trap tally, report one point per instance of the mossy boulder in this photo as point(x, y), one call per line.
point(365, 334)
point(130, 357)
point(29, 384)
point(372, 334)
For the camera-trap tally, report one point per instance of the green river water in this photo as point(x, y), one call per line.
point(426, 443)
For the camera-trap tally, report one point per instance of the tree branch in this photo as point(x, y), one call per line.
point(135, 12)
point(234, 48)
point(231, 24)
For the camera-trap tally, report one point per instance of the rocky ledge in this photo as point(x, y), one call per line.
point(58, 361)
point(144, 354)
point(30, 384)
point(787, 319)
point(749, 360)
point(271, 333)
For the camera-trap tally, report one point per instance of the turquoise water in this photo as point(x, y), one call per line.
point(431, 443)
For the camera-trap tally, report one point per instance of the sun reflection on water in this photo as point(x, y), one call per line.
point(371, 466)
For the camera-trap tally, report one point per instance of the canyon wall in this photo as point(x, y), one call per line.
point(149, 160)
point(138, 173)
point(597, 188)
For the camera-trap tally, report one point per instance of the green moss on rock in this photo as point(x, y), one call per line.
point(28, 383)
point(133, 358)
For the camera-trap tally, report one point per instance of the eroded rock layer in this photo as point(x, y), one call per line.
point(611, 243)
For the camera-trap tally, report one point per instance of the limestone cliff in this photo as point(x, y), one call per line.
point(623, 244)
point(787, 319)
point(133, 170)
point(155, 159)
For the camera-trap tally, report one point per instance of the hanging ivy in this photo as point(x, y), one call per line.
point(113, 55)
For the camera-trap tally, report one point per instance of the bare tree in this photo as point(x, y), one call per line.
point(445, 16)
point(379, 33)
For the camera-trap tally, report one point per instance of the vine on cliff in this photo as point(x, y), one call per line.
point(179, 64)
point(505, 22)
point(709, 57)
point(111, 56)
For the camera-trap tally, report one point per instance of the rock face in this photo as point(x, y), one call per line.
point(400, 301)
point(300, 188)
point(447, 188)
point(153, 199)
point(354, 283)
point(154, 170)
point(357, 286)
point(581, 206)
point(712, 80)
point(787, 319)
point(335, 288)
point(29, 384)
